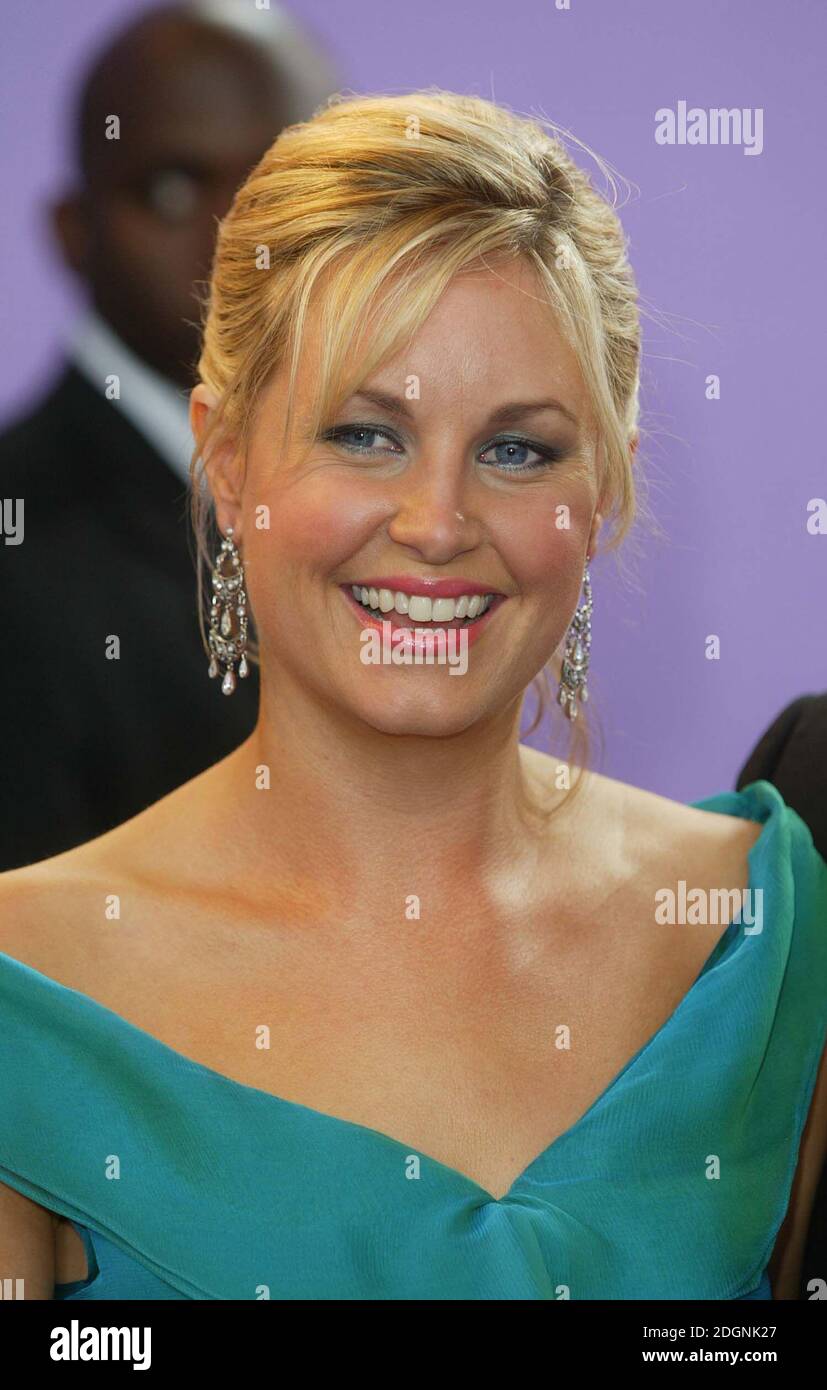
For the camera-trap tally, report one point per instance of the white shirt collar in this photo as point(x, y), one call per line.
point(158, 409)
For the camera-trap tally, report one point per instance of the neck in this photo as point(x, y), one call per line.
point(450, 814)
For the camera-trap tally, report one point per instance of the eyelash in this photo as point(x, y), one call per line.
point(548, 456)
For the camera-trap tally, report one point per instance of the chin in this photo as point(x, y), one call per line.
point(419, 713)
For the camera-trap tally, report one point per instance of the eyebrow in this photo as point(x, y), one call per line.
point(512, 410)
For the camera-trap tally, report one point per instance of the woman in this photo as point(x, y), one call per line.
point(385, 1004)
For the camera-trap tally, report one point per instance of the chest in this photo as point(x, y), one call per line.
point(478, 1053)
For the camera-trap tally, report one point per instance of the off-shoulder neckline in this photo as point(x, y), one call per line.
point(761, 795)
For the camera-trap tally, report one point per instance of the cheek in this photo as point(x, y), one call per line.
point(157, 260)
point(543, 547)
point(315, 526)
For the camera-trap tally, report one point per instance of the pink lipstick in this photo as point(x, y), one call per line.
point(426, 635)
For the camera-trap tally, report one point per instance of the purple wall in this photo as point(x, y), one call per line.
point(728, 249)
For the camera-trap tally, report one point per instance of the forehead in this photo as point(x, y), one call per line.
point(490, 336)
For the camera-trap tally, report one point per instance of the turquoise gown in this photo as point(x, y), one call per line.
point(672, 1185)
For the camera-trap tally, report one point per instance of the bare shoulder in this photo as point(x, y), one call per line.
point(649, 831)
point(57, 914)
point(686, 834)
point(45, 910)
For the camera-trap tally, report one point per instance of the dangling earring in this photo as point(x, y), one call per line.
point(576, 653)
point(228, 618)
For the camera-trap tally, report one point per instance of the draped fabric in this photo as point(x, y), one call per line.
point(672, 1185)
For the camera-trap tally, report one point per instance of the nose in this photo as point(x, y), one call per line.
point(433, 516)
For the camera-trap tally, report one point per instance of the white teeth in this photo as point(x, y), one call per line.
point(419, 607)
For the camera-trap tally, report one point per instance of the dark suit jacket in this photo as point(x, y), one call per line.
point(792, 754)
point(107, 551)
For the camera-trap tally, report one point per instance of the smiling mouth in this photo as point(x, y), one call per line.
point(421, 611)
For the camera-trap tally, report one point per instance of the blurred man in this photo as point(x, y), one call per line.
point(792, 754)
point(200, 91)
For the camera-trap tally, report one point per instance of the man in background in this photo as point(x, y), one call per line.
point(200, 92)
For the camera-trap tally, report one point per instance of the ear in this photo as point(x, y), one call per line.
point(599, 516)
point(222, 463)
point(597, 522)
point(69, 228)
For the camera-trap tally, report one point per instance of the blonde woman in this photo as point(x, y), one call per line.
point(386, 1005)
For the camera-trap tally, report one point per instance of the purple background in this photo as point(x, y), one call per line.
point(728, 250)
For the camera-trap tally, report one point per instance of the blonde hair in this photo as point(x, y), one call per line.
point(378, 201)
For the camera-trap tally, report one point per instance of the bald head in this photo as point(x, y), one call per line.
point(176, 83)
point(197, 102)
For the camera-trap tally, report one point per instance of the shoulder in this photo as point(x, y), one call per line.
point(740, 839)
point(649, 830)
point(639, 861)
point(675, 852)
point(683, 832)
point(77, 923)
point(33, 449)
point(41, 907)
point(59, 915)
point(85, 916)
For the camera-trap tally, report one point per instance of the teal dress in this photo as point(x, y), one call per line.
point(672, 1185)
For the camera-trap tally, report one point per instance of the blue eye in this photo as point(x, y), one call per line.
point(546, 456)
point(338, 434)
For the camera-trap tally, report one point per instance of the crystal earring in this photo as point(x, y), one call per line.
point(576, 653)
point(228, 618)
